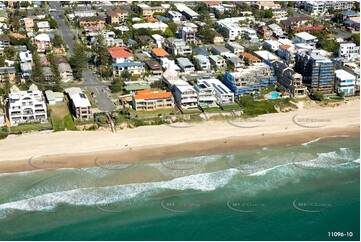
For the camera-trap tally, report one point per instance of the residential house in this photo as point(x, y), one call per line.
point(220, 50)
point(66, 73)
point(29, 24)
point(271, 44)
point(159, 40)
point(120, 54)
point(43, 26)
point(218, 38)
point(147, 11)
point(349, 50)
point(4, 42)
point(25, 69)
point(152, 26)
point(158, 53)
point(308, 29)
point(265, 32)
point(203, 62)
point(289, 79)
point(288, 54)
point(43, 42)
point(187, 12)
point(154, 67)
point(186, 65)
point(26, 106)
point(265, 5)
point(184, 95)
point(178, 47)
point(317, 70)
point(91, 21)
point(211, 92)
point(345, 82)
point(249, 79)
point(48, 74)
point(295, 21)
point(169, 64)
point(80, 106)
point(235, 48)
point(54, 97)
point(134, 68)
point(116, 17)
point(150, 100)
point(7, 73)
point(175, 16)
point(25, 56)
point(188, 35)
point(305, 38)
point(217, 61)
point(249, 58)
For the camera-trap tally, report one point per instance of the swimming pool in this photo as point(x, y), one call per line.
point(273, 95)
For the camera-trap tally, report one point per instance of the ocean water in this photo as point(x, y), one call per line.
point(307, 191)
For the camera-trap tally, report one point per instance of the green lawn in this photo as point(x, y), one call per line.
point(231, 107)
point(30, 127)
point(212, 109)
point(143, 113)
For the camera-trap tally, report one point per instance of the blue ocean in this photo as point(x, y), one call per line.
point(308, 191)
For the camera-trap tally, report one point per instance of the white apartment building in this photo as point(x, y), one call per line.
point(178, 47)
point(159, 40)
point(152, 26)
point(231, 26)
point(184, 94)
point(345, 82)
point(348, 50)
point(188, 35)
point(26, 106)
point(218, 61)
point(320, 7)
point(175, 16)
point(203, 62)
point(211, 92)
point(305, 38)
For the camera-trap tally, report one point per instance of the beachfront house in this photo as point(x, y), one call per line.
point(79, 103)
point(345, 82)
point(211, 92)
point(152, 100)
point(26, 106)
point(289, 79)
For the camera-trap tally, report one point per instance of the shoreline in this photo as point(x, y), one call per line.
point(75, 149)
point(121, 158)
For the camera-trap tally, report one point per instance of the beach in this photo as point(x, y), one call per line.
point(86, 148)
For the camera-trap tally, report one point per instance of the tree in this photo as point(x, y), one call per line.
point(6, 81)
point(268, 13)
point(157, 84)
point(173, 27)
point(57, 41)
point(117, 85)
point(56, 74)
point(101, 51)
point(168, 33)
point(78, 61)
point(37, 72)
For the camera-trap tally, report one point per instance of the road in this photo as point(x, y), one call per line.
point(102, 99)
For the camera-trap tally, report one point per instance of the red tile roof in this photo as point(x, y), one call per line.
point(119, 52)
point(160, 52)
point(285, 46)
point(250, 57)
point(311, 28)
point(212, 2)
point(147, 94)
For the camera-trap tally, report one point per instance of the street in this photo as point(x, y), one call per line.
point(90, 83)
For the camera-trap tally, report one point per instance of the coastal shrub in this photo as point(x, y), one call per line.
point(58, 124)
point(69, 122)
point(3, 135)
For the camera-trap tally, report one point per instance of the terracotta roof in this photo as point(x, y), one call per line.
point(119, 52)
point(151, 20)
point(17, 36)
point(147, 94)
point(250, 57)
point(212, 2)
point(160, 52)
point(311, 28)
point(114, 13)
point(285, 46)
